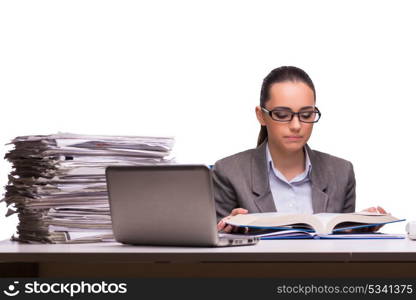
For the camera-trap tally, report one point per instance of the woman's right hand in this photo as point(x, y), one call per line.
point(222, 226)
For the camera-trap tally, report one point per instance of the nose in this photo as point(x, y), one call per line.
point(295, 124)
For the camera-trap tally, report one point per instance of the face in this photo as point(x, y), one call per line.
point(296, 96)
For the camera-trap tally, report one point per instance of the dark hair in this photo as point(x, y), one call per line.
point(281, 74)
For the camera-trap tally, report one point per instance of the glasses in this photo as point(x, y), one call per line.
point(286, 115)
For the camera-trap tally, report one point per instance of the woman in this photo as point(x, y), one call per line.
point(283, 174)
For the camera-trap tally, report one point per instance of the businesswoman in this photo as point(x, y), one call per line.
point(283, 173)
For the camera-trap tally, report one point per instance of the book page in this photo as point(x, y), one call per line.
point(326, 220)
point(332, 220)
point(273, 220)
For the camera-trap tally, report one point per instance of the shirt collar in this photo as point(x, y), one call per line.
point(306, 173)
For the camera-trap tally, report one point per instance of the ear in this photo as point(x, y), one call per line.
point(260, 116)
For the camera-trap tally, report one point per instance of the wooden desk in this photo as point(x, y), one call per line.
point(277, 259)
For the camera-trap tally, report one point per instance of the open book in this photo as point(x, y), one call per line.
point(324, 225)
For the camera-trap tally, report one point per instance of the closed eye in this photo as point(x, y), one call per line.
point(282, 114)
point(307, 114)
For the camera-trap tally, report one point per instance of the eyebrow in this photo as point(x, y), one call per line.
point(288, 108)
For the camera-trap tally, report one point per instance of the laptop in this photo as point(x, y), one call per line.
point(166, 205)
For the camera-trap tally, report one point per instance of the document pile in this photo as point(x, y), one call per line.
point(58, 186)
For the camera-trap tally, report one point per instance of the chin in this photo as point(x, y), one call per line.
point(294, 147)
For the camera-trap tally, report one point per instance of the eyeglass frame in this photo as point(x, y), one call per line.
point(269, 112)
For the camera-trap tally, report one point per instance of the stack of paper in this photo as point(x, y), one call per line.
point(58, 188)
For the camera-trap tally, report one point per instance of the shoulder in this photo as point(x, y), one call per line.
point(235, 164)
point(236, 158)
point(331, 162)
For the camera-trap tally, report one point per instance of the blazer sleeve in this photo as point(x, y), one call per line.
point(224, 194)
point(349, 203)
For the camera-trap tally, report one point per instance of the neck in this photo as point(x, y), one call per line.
point(287, 161)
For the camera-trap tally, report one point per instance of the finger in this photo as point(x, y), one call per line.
point(235, 229)
point(371, 209)
point(364, 230)
point(240, 230)
point(228, 228)
point(220, 225)
point(381, 210)
point(237, 211)
point(373, 228)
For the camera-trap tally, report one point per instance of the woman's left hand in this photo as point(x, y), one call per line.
point(374, 209)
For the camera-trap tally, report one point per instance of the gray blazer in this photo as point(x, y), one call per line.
point(242, 180)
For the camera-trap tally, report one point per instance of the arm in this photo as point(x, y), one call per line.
point(349, 201)
point(225, 199)
point(224, 194)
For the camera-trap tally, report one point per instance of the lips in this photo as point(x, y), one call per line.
point(293, 138)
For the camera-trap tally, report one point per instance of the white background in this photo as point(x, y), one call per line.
point(193, 70)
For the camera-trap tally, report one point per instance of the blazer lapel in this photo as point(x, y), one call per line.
point(260, 180)
point(261, 188)
point(319, 184)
